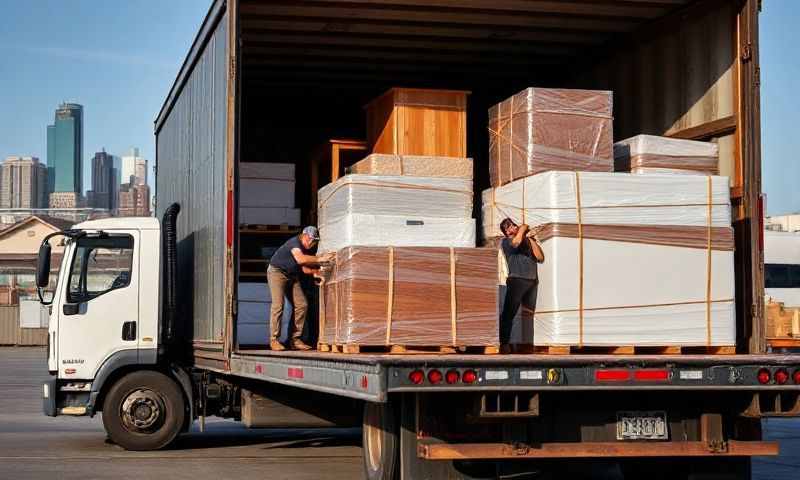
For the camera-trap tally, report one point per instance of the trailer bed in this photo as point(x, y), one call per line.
point(372, 376)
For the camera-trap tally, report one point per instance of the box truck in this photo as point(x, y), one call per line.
point(144, 318)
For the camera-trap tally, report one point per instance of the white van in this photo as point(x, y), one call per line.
point(782, 267)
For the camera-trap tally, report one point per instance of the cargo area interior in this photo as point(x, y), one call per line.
point(308, 68)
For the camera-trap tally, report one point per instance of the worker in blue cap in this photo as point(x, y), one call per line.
point(294, 258)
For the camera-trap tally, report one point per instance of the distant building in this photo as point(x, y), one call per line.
point(783, 223)
point(10, 216)
point(134, 167)
point(65, 150)
point(103, 192)
point(134, 200)
point(23, 183)
point(66, 200)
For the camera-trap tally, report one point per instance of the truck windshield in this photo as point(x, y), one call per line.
point(100, 265)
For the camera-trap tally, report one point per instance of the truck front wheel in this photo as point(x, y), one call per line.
point(143, 411)
point(381, 442)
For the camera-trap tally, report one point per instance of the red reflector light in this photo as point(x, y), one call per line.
point(651, 375)
point(764, 376)
point(619, 375)
point(469, 376)
point(451, 376)
point(416, 377)
point(434, 376)
point(796, 377)
point(781, 376)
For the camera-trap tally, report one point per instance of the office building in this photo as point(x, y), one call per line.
point(23, 183)
point(134, 166)
point(65, 151)
point(103, 192)
point(134, 200)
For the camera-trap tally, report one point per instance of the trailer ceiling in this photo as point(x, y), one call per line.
point(415, 42)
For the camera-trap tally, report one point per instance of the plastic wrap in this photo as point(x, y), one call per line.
point(383, 296)
point(269, 171)
point(391, 230)
point(608, 199)
point(259, 192)
point(541, 129)
point(653, 154)
point(414, 165)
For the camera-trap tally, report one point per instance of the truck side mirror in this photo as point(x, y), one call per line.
point(43, 266)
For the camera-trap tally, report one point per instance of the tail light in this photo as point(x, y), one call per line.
point(651, 375)
point(416, 377)
point(435, 376)
point(764, 376)
point(616, 375)
point(451, 376)
point(469, 376)
point(781, 376)
point(796, 377)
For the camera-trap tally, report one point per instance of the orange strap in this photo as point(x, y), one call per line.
point(390, 298)
point(708, 266)
point(580, 256)
point(453, 304)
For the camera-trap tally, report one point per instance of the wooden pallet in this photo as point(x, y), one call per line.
point(258, 229)
point(625, 350)
point(408, 349)
point(786, 342)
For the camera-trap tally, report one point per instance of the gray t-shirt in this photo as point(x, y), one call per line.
point(283, 259)
point(520, 260)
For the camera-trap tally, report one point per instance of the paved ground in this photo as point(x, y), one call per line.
point(33, 446)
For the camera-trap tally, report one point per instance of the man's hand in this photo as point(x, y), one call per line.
point(328, 257)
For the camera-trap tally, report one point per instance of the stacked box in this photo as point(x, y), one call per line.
point(387, 210)
point(542, 129)
point(653, 154)
point(629, 259)
point(266, 194)
point(414, 166)
point(412, 296)
point(253, 312)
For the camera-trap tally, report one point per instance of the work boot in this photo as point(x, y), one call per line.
point(275, 345)
point(298, 344)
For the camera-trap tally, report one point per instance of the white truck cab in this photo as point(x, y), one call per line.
point(782, 267)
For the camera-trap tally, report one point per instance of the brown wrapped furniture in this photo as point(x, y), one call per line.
point(413, 121)
point(414, 166)
point(652, 154)
point(541, 129)
point(410, 297)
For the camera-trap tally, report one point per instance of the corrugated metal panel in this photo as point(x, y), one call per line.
point(191, 155)
point(29, 337)
point(9, 324)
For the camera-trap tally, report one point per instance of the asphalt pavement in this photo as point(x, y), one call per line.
point(33, 446)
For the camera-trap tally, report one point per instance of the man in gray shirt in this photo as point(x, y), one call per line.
point(523, 254)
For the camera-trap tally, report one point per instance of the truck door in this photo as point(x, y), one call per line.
point(99, 305)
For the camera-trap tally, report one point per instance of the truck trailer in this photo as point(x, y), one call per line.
point(144, 314)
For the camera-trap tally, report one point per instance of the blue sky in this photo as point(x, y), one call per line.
point(119, 58)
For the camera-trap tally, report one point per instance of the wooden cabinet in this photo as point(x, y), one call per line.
point(411, 121)
point(330, 162)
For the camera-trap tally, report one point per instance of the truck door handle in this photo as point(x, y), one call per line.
point(129, 331)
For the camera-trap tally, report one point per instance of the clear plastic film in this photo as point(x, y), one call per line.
point(652, 154)
point(397, 211)
point(541, 129)
point(410, 296)
point(609, 199)
point(414, 165)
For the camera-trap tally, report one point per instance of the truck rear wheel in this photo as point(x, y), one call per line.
point(143, 411)
point(381, 442)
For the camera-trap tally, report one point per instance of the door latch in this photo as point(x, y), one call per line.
point(129, 331)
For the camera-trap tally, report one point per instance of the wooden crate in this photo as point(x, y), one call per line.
point(411, 121)
point(782, 322)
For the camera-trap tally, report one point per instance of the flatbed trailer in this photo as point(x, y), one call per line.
point(271, 80)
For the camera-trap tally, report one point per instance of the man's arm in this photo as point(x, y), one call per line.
point(538, 253)
point(522, 231)
point(310, 260)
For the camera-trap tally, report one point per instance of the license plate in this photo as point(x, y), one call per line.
point(642, 426)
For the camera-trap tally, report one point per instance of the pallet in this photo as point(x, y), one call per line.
point(282, 229)
point(408, 349)
point(783, 342)
point(626, 350)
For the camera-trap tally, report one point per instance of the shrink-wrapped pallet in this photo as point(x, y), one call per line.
point(644, 260)
point(653, 154)
point(410, 296)
point(373, 210)
point(541, 129)
point(414, 166)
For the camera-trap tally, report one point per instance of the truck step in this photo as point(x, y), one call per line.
point(626, 350)
point(408, 349)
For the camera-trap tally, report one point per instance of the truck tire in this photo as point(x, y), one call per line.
point(144, 411)
point(381, 442)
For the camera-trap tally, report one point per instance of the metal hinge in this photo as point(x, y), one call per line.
point(747, 52)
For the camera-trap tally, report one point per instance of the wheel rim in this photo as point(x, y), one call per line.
point(143, 411)
point(373, 443)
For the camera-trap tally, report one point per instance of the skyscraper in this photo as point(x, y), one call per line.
point(65, 154)
point(23, 183)
point(103, 193)
point(134, 166)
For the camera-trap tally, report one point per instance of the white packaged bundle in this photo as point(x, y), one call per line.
point(269, 171)
point(654, 154)
point(643, 260)
point(379, 210)
point(261, 192)
point(269, 215)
